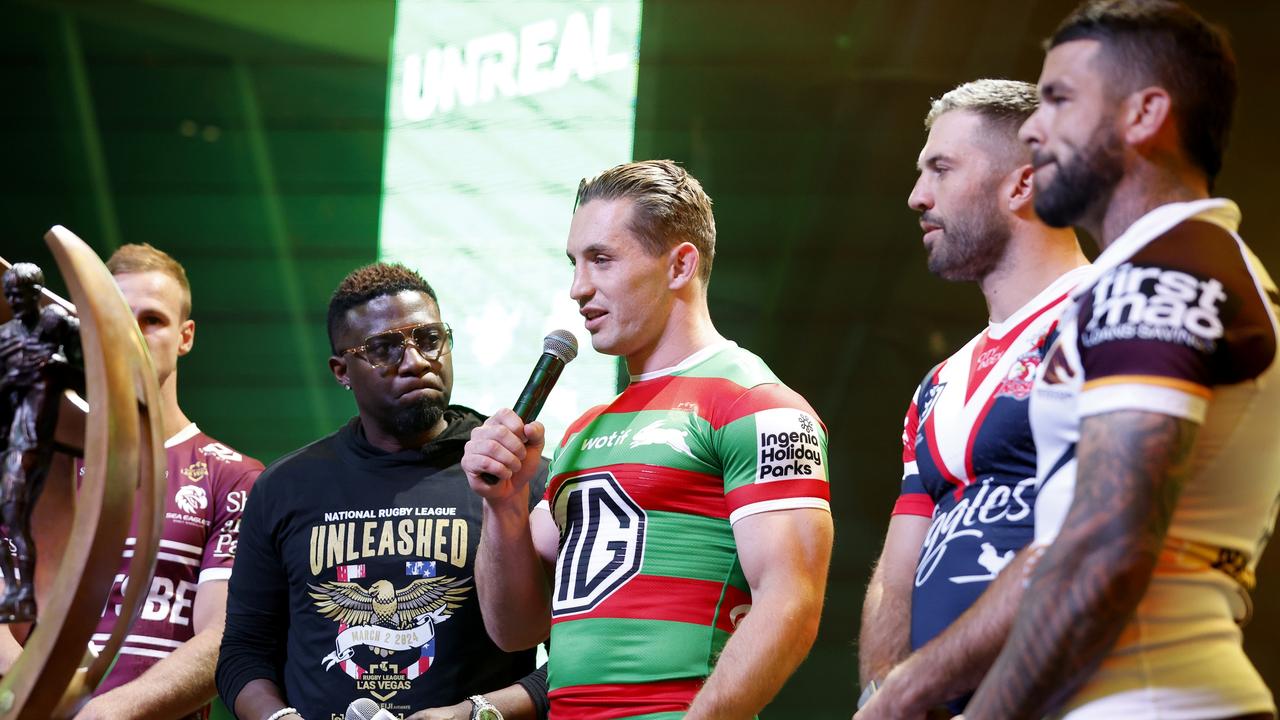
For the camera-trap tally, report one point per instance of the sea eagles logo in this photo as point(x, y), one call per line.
point(384, 618)
point(655, 434)
point(196, 471)
point(191, 499)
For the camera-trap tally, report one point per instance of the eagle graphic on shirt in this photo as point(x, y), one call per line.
point(384, 618)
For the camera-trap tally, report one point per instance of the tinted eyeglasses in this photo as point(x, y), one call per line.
point(433, 340)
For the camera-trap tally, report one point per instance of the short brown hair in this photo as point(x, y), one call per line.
point(670, 206)
point(143, 257)
point(1166, 43)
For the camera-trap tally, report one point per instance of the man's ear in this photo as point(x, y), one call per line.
point(1018, 189)
point(1146, 115)
point(683, 269)
point(187, 330)
point(338, 366)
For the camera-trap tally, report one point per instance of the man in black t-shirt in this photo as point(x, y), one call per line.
point(355, 569)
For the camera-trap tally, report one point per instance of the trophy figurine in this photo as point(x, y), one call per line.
point(34, 347)
point(81, 458)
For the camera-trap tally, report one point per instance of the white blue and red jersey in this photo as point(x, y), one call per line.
point(969, 461)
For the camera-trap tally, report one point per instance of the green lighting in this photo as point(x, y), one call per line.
point(496, 110)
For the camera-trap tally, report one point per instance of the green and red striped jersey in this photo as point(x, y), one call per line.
point(645, 491)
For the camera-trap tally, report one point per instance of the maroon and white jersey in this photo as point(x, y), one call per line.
point(208, 483)
point(1179, 320)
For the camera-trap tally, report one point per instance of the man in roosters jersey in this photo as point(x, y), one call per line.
point(165, 666)
point(1156, 409)
point(687, 523)
point(968, 485)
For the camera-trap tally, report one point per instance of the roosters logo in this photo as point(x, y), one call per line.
point(1017, 384)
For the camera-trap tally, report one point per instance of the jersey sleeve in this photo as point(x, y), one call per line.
point(257, 625)
point(1183, 315)
point(773, 453)
point(913, 499)
point(231, 488)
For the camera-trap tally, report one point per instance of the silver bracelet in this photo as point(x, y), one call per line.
point(282, 712)
point(871, 689)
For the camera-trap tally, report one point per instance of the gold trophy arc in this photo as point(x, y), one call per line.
point(124, 472)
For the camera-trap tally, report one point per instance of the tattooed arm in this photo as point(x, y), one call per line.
point(1130, 470)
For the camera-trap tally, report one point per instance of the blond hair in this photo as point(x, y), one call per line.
point(143, 257)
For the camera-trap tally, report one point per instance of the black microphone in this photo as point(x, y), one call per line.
point(558, 348)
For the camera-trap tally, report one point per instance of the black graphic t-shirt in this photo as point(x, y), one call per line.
point(355, 577)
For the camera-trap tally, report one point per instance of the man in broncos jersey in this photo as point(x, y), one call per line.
point(687, 521)
point(1155, 411)
point(969, 461)
point(165, 667)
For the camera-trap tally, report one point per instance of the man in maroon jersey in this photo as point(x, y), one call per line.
point(165, 666)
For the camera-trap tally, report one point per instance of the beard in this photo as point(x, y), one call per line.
point(419, 417)
point(1084, 183)
point(973, 243)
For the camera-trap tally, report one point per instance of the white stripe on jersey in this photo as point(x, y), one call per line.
point(778, 504)
point(175, 545)
point(194, 562)
point(141, 640)
point(145, 653)
point(172, 545)
point(214, 574)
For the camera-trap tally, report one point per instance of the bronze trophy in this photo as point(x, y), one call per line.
point(34, 372)
point(52, 413)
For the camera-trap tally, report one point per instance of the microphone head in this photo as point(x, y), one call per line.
point(362, 709)
point(561, 344)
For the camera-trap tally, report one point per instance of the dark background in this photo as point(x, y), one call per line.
point(247, 139)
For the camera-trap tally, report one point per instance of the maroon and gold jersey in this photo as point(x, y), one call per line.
point(208, 483)
point(1180, 320)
